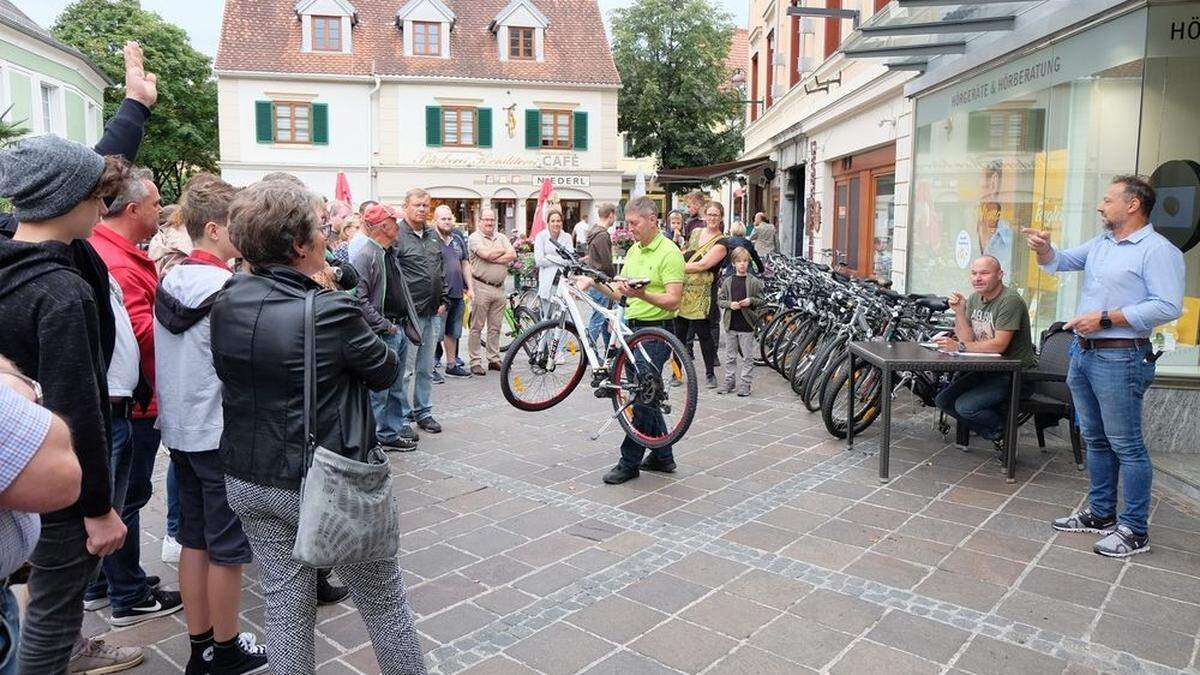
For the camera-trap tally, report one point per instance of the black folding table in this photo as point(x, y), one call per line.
point(890, 357)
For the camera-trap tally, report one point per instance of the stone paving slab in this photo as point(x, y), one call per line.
point(771, 550)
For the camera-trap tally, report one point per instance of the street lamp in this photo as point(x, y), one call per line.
point(738, 80)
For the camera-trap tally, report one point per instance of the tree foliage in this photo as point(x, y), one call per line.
point(181, 136)
point(676, 101)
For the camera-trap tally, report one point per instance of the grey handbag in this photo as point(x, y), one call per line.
point(347, 512)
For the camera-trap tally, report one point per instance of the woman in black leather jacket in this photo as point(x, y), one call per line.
point(258, 351)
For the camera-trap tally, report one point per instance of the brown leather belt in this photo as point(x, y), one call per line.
point(485, 281)
point(1112, 343)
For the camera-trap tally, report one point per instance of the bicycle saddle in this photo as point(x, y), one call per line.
point(934, 304)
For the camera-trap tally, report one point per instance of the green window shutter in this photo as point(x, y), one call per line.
point(484, 116)
point(320, 124)
point(533, 128)
point(264, 121)
point(581, 130)
point(433, 126)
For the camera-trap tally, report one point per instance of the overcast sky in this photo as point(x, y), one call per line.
point(202, 18)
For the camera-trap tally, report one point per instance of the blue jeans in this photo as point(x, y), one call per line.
point(122, 577)
point(597, 329)
point(418, 371)
point(646, 419)
point(389, 403)
point(979, 400)
point(1107, 386)
point(10, 632)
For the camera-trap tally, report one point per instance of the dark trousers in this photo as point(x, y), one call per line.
point(62, 569)
point(645, 418)
point(702, 329)
point(121, 576)
point(979, 400)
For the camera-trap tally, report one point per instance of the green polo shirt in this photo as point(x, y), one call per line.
point(661, 262)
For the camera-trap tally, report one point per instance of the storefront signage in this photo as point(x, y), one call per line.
point(1110, 44)
point(564, 181)
point(1176, 212)
point(962, 249)
point(477, 160)
point(1174, 31)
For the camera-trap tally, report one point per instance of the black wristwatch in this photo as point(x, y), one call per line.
point(1105, 322)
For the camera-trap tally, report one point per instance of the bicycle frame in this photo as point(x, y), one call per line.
point(567, 297)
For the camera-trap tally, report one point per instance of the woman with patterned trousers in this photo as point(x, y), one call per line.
point(258, 351)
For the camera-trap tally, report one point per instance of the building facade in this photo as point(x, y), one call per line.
point(46, 86)
point(476, 101)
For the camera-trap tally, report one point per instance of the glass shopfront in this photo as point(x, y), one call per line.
point(1034, 142)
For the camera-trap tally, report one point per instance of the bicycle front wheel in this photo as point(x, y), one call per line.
point(868, 387)
point(543, 366)
point(652, 411)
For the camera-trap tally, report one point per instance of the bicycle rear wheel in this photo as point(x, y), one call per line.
point(868, 386)
point(543, 366)
point(652, 412)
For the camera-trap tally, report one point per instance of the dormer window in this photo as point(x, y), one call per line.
point(326, 25)
point(427, 38)
point(520, 43)
point(425, 26)
point(520, 30)
point(327, 33)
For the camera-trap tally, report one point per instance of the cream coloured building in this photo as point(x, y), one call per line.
point(474, 100)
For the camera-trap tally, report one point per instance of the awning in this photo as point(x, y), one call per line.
point(712, 172)
point(907, 33)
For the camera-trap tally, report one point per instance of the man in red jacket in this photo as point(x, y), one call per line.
point(131, 219)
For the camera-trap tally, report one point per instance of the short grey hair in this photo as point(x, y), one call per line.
point(268, 218)
point(643, 206)
point(133, 190)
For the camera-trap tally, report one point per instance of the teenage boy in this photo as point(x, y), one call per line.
point(189, 399)
point(51, 332)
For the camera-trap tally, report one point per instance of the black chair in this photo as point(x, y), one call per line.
point(1046, 399)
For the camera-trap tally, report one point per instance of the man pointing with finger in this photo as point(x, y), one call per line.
point(1133, 281)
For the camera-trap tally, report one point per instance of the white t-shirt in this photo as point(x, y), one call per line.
point(581, 232)
point(123, 371)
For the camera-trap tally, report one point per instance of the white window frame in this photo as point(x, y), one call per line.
point(50, 100)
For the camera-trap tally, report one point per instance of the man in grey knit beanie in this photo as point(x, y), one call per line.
point(47, 176)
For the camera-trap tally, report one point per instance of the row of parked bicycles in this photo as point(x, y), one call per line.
point(813, 313)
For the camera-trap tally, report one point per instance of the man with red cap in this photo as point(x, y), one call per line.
point(381, 294)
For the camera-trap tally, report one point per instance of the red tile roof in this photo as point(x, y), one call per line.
point(739, 51)
point(264, 36)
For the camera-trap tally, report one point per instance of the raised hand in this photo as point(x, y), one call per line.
point(139, 85)
point(1038, 240)
point(956, 301)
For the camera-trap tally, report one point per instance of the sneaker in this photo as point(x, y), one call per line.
point(457, 371)
point(1084, 521)
point(159, 603)
point(398, 445)
point(93, 603)
point(711, 382)
point(429, 424)
point(1122, 543)
point(744, 392)
point(407, 434)
point(98, 657)
point(725, 389)
point(652, 464)
point(171, 549)
point(248, 657)
point(620, 474)
point(327, 593)
point(478, 371)
point(438, 378)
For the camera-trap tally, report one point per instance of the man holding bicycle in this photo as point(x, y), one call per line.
point(656, 258)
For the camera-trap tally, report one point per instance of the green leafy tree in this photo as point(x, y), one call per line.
point(676, 102)
point(181, 136)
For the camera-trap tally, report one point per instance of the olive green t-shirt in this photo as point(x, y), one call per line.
point(661, 263)
point(1006, 311)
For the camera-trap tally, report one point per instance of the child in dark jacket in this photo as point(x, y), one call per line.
point(740, 297)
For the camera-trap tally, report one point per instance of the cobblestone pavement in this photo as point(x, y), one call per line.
point(772, 550)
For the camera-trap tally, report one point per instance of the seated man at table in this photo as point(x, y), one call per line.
point(993, 320)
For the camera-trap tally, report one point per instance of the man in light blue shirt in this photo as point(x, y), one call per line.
point(1133, 281)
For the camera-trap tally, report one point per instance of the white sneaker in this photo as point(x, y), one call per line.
point(170, 549)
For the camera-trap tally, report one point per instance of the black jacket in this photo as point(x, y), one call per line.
point(50, 329)
point(257, 324)
point(421, 261)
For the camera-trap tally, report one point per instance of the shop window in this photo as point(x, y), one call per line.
point(427, 38)
point(864, 212)
point(520, 43)
point(997, 130)
point(458, 127)
point(327, 33)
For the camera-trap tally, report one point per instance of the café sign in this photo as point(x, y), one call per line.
point(488, 160)
point(564, 181)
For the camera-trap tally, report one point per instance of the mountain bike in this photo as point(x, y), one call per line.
point(519, 316)
point(633, 369)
